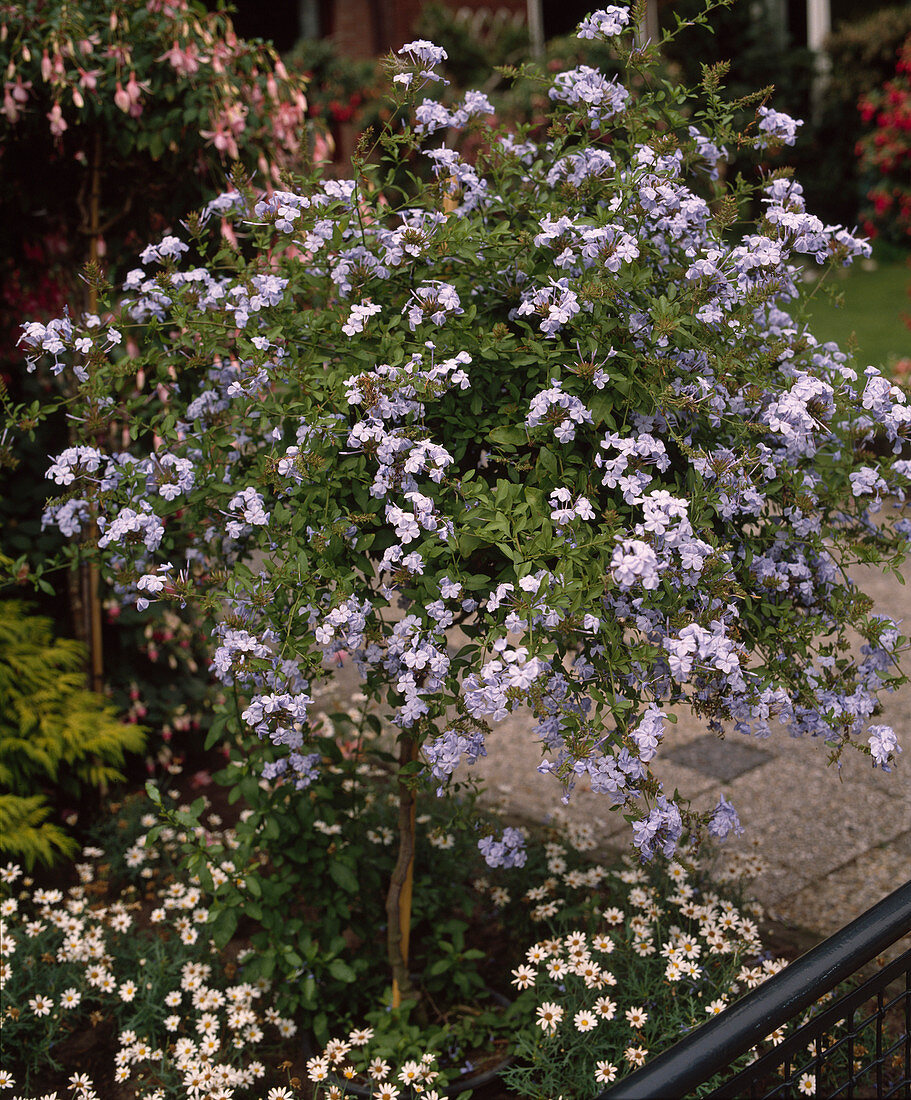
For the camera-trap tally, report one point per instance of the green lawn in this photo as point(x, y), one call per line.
point(875, 295)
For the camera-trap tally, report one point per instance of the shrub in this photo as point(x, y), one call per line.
point(339, 90)
point(861, 58)
point(544, 396)
point(885, 154)
point(134, 110)
point(56, 740)
point(129, 990)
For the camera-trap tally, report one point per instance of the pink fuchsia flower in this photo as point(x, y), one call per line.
point(20, 89)
point(10, 108)
point(185, 62)
point(129, 99)
point(121, 98)
point(57, 121)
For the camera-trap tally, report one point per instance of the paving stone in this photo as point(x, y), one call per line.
point(902, 844)
point(722, 759)
point(832, 902)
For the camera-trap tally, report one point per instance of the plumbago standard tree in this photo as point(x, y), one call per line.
point(554, 395)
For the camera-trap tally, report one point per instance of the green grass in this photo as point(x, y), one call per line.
point(874, 294)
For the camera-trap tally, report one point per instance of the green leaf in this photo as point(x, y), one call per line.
point(223, 927)
point(343, 877)
point(308, 993)
point(508, 435)
point(341, 971)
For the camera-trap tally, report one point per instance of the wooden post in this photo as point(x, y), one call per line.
point(535, 20)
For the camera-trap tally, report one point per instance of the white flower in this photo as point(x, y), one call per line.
point(40, 1005)
point(549, 1015)
point(410, 1073)
point(557, 968)
point(605, 1072)
point(637, 1017)
point(378, 1069)
point(524, 977)
point(585, 1020)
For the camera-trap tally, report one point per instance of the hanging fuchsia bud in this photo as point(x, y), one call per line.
point(134, 92)
point(57, 121)
point(121, 98)
point(9, 109)
point(45, 66)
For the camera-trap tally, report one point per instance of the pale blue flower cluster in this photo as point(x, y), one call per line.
point(618, 466)
point(508, 851)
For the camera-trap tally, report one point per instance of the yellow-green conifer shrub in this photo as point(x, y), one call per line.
point(56, 738)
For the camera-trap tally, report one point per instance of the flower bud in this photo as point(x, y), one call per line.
point(121, 98)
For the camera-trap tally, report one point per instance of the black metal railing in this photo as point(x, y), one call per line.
point(860, 1044)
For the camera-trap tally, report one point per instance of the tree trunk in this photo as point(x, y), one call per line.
point(89, 575)
point(398, 899)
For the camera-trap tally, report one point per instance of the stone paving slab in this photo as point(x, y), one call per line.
point(723, 759)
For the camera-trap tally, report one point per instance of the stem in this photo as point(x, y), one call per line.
point(398, 898)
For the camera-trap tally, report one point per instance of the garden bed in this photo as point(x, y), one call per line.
point(127, 896)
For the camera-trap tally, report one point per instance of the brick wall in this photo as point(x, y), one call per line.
point(370, 28)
